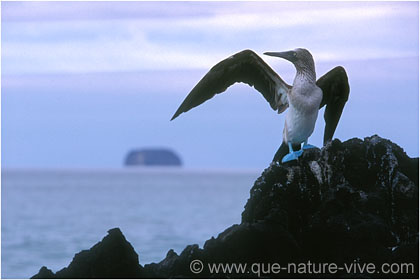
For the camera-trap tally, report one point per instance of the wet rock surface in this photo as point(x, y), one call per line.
point(349, 204)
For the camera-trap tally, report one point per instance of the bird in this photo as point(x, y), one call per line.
point(302, 99)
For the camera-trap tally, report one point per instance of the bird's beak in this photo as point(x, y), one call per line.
point(289, 55)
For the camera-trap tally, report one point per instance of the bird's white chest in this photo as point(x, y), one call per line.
point(304, 101)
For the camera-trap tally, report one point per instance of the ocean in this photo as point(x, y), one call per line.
point(49, 215)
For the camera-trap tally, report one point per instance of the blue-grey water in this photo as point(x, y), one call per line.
point(49, 215)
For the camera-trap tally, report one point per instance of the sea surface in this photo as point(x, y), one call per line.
point(49, 215)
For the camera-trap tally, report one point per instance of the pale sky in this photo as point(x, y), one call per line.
point(84, 82)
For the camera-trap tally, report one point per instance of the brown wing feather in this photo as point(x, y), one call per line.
point(336, 89)
point(246, 67)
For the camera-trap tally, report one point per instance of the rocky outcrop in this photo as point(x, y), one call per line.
point(113, 257)
point(349, 203)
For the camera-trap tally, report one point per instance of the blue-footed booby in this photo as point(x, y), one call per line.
point(304, 98)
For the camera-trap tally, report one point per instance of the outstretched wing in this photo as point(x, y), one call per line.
point(246, 67)
point(336, 89)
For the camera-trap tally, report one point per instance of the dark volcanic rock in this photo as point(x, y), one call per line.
point(349, 203)
point(356, 200)
point(113, 257)
point(44, 273)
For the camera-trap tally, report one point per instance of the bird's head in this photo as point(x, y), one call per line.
point(301, 58)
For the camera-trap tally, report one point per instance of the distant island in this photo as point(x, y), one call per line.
point(152, 157)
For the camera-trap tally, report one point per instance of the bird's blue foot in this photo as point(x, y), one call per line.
point(292, 156)
point(308, 146)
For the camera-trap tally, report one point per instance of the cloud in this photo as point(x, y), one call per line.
point(101, 10)
point(56, 11)
point(77, 37)
point(108, 51)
